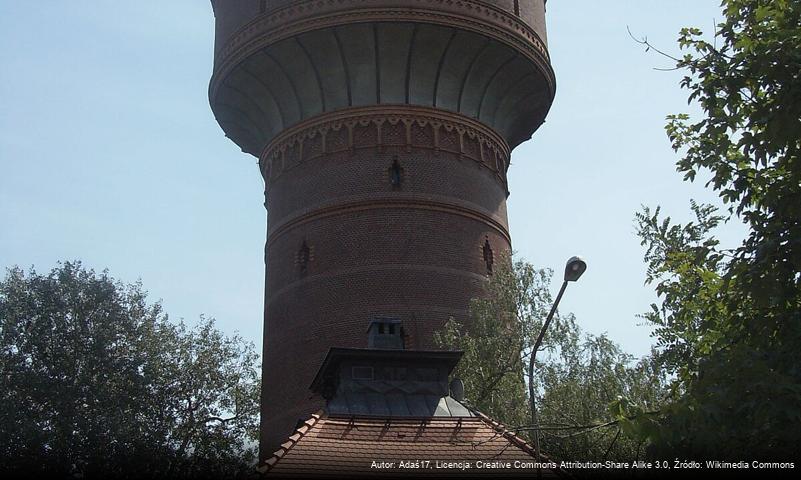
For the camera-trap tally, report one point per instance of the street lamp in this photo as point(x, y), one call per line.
point(574, 268)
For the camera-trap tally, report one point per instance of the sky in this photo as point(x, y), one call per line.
point(110, 154)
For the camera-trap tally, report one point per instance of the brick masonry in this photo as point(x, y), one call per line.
point(345, 244)
point(383, 131)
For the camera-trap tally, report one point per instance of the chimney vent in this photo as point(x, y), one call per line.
point(386, 333)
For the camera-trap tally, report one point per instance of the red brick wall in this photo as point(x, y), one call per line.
point(413, 251)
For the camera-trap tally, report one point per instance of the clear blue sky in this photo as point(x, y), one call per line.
point(109, 153)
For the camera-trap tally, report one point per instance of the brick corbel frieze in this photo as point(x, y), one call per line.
point(299, 17)
point(489, 150)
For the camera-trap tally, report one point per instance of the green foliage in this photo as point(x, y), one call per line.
point(729, 323)
point(580, 378)
point(97, 383)
point(502, 325)
point(577, 375)
point(684, 262)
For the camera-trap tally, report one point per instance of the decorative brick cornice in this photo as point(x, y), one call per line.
point(276, 294)
point(421, 202)
point(301, 17)
point(476, 141)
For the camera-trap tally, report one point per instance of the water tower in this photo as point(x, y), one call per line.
point(383, 131)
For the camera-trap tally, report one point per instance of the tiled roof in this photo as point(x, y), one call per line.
point(336, 446)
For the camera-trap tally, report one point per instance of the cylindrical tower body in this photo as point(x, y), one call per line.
point(383, 130)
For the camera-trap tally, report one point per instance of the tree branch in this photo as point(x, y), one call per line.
point(644, 41)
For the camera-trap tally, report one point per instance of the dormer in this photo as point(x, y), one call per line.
point(385, 333)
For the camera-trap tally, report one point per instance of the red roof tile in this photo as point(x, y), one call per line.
point(368, 446)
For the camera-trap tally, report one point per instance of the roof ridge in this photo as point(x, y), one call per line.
point(509, 435)
point(293, 439)
point(519, 442)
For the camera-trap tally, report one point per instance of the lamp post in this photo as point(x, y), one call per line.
point(574, 268)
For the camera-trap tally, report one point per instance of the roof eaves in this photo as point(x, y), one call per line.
point(519, 442)
point(293, 439)
point(336, 354)
point(511, 436)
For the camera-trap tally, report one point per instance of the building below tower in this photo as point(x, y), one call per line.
point(390, 413)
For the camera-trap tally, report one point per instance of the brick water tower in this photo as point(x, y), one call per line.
point(383, 130)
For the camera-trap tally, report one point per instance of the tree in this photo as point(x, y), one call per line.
point(578, 376)
point(98, 383)
point(729, 322)
point(583, 382)
point(502, 326)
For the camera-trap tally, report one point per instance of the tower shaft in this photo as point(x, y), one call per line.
point(383, 131)
point(373, 212)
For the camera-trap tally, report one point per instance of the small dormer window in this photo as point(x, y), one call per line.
point(362, 373)
point(303, 257)
point(395, 173)
point(488, 257)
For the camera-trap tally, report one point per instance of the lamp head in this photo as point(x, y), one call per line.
point(574, 268)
